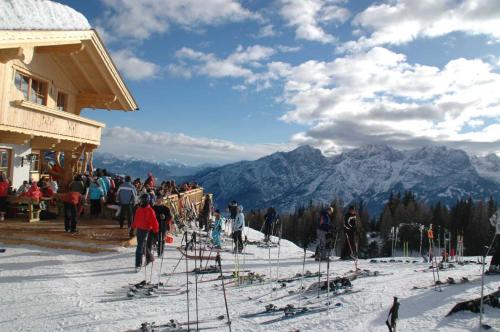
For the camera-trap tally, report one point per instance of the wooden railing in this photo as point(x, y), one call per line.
point(186, 204)
point(33, 119)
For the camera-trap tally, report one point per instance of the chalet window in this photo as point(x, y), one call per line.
point(23, 84)
point(35, 162)
point(4, 162)
point(62, 101)
point(33, 90)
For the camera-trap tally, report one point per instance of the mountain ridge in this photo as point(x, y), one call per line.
point(288, 180)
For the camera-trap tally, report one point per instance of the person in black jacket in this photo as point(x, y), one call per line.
point(206, 211)
point(270, 219)
point(350, 249)
point(164, 218)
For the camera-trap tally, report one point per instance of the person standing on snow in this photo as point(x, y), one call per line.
point(126, 197)
point(71, 202)
point(238, 226)
point(96, 195)
point(350, 228)
point(206, 211)
point(217, 229)
point(323, 253)
point(270, 219)
point(144, 222)
point(164, 217)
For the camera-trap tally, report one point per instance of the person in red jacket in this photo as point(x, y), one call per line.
point(71, 201)
point(144, 222)
point(4, 191)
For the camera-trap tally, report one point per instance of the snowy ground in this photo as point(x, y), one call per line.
point(55, 290)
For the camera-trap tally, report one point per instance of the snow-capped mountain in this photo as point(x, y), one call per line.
point(288, 180)
point(137, 168)
point(488, 166)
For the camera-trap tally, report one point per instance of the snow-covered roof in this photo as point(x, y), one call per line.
point(40, 15)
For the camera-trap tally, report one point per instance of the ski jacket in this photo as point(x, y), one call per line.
point(4, 188)
point(95, 192)
point(105, 183)
point(77, 186)
point(207, 209)
point(350, 222)
point(217, 226)
point(126, 194)
point(324, 221)
point(233, 210)
point(239, 222)
point(270, 218)
point(145, 219)
point(150, 181)
point(163, 216)
point(72, 197)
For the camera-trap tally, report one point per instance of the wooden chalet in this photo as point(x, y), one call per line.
point(46, 78)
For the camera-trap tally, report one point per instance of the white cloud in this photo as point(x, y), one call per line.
point(308, 16)
point(133, 67)
point(267, 31)
point(245, 63)
point(140, 19)
point(379, 97)
point(177, 146)
point(397, 22)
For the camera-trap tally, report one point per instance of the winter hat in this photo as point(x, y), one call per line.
point(240, 208)
point(217, 211)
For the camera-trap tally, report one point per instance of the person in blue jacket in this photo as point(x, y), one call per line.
point(217, 229)
point(95, 196)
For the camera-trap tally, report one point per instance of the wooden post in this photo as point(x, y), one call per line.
point(91, 162)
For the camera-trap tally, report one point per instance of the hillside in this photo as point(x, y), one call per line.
point(369, 173)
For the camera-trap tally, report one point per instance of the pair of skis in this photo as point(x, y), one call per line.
point(292, 312)
point(174, 325)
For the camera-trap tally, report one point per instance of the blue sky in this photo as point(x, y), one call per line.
point(231, 80)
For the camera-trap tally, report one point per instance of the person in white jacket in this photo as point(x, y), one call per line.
point(238, 226)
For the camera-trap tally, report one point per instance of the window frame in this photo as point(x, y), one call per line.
point(41, 98)
point(66, 101)
point(8, 168)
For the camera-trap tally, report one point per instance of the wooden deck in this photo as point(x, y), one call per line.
point(95, 235)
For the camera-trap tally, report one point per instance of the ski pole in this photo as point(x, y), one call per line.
point(279, 249)
point(161, 265)
point(328, 283)
point(303, 272)
point(319, 274)
point(196, 285)
point(187, 285)
point(224, 290)
point(482, 283)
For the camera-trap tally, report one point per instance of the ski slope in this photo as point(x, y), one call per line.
point(55, 290)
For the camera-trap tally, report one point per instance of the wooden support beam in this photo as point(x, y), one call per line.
point(8, 54)
point(61, 49)
point(13, 137)
point(94, 98)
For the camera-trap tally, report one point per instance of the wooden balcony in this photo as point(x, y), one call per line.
point(38, 121)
